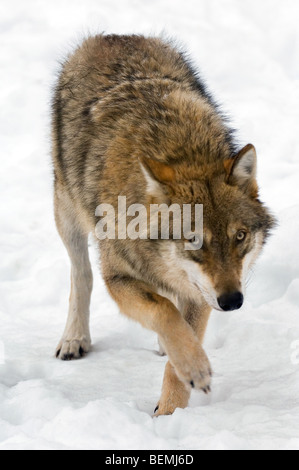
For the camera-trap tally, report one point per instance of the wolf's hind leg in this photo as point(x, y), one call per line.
point(76, 340)
point(174, 393)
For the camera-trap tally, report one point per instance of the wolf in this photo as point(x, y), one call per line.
point(131, 117)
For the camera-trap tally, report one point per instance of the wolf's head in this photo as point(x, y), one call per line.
point(235, 222)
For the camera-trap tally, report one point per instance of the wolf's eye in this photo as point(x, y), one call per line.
point(241, 235)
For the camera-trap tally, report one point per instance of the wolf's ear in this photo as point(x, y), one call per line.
point(157, 175)
point(241, 170)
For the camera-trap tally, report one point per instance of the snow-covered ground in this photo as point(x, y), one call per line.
point(248, 52)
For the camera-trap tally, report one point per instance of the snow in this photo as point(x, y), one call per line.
point(248, 53)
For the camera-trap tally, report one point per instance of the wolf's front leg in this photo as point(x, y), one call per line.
point(174, 392)
point(75, 341)
point(157, 313)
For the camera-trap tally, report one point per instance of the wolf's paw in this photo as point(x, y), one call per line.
point(167, 407)
point(195, 371)
point(164, 409)
point(67, 350)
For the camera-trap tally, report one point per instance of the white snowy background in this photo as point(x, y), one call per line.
point(248, 52)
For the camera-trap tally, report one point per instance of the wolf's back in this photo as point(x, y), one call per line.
point(118, 97)
point(103, 68)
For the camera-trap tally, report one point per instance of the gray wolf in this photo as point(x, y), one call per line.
point(131, 117)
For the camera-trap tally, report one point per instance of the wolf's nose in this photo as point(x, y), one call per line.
point(230, 302)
